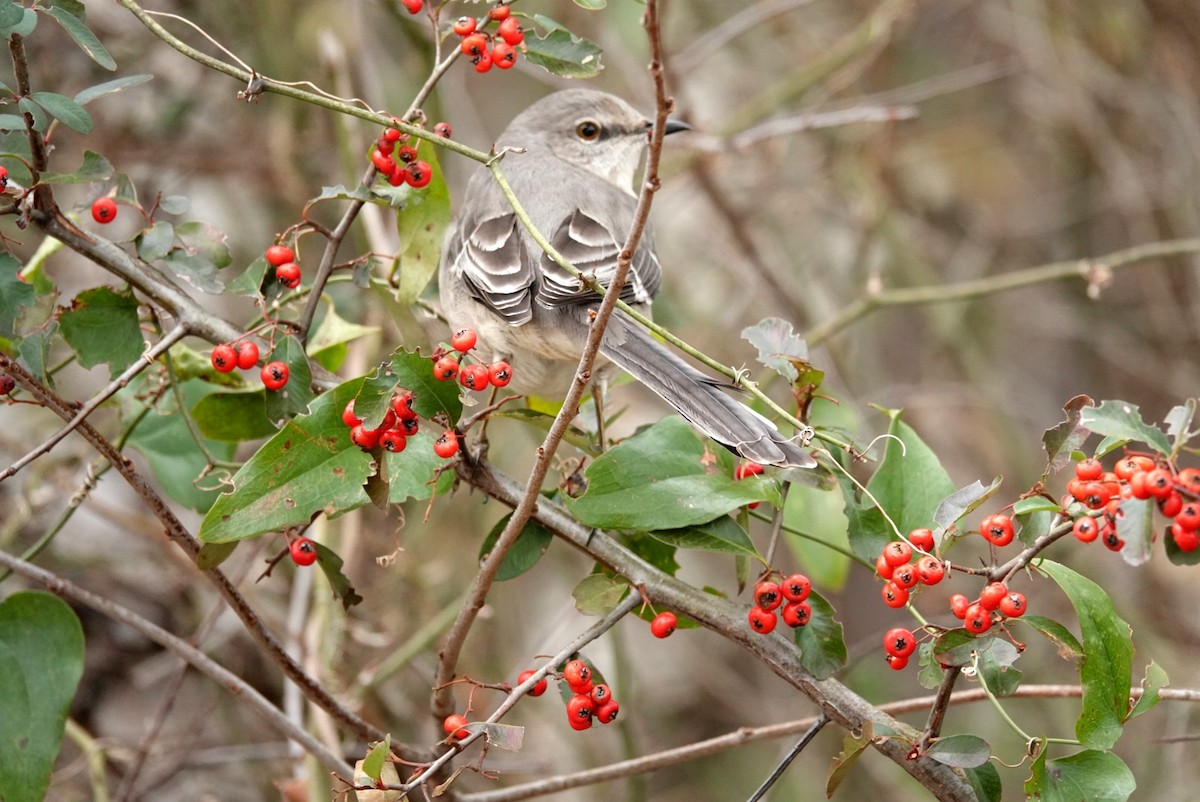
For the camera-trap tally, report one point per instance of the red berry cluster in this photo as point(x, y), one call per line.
point(589, 701)
point(788, 596)
point(244, 355)
point(104, 210)
point(901, 574)
point(303, 551)
point(399, 423)
point(899, 643)
point(995, 603)
point(397, 160)
point(1140, 477)
point(472, 375)
point(486, 49)
point(283, 259)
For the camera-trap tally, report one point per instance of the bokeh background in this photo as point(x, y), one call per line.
point(1032, 133)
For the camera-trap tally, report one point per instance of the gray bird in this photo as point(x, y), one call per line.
point(574, 178)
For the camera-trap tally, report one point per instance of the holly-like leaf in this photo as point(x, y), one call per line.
point(779, 347)
point(431, 397)
point(83, 36)
point(422, 228)
point(525, 551)
point(963, 501)
point(852, 748)
point(961, 751)
point(1123, 420)
point(412, 473)
point(308, 468)
point(65, 110)
point(564, 54)
point(95, 168)
point(1107, 665)
point(110, 88)
point(1067, 437)
point(1179, 422)
point(15, 294)
point(663, 478)
point(722, 534)
point(821, 640)
point(1090, 775)
point(294, 397)
point(102, 326)
point(41, 661)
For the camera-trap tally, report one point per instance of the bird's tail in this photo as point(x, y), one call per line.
point(699, 398)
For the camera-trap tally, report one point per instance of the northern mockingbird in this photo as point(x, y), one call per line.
point(574, 178)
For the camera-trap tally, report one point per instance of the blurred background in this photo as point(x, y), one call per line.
point(1024, 133)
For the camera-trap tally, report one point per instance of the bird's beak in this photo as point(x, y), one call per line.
point(675, 126)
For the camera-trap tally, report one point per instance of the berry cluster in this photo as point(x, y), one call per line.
point(789, 597)
point(486, 49)
point(399, 423)
point(473, 375)
point(995, 603)
point(1140, 477)
point(588, 701)
point(901, 574)
point(397, 160)
point(244, 355)
point(283, 259)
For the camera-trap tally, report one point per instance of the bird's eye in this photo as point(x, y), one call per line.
point(588, 131)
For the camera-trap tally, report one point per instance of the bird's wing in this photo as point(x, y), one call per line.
point(593, 247)
point(495, 265)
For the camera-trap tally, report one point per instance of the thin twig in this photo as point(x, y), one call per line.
point(805, 739)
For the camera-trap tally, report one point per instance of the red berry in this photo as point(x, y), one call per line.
point(600, 694)
point(997, 529)
point(464, 26)
point(483, 62)
point(1128, 466)
point(474, 45)
point(929, 570)
point(1186, 539)
point(900, 642)
point(499, 12)
point(883, 567)
point(1089, 469)
point(303, 551)
point(580, 709)
point(394, 135)
point(366, 439)
point(419, 175)
point(1189, 479)
point(894, 595)
point(443, 130)
point(446, 445)
point(990, 596)
point(1094, 495)
point(1013, 605)
point(577, 674)
point(1172, 505)
point(922, 539)
point(1189, 515)
point(455, 725)
point(247, 354)
point(796, 613)
point(500, 374)
point(663, 624)
point(510, 31)
point(275, 375)
point(1160, 483)
point(906, 576)
point(538, 688)
point(897, 663)
point(762, 621)
point(104, 210)
point(288, 275)
point(3, 177)
point(745, 469)
point(897, 553)
point(977, 620)
point(445, 369)
point(409, 426)
point(383, 162)
point(7, 384)
point(1111, 540)
point(382, 146)
point(1086, 529)
point(768, 595)
point(393, 440)
point(796, 588)
point(348, 416)
point(959, 604)
point(402, 405)
point(463, 339)
point(224, 358)
point(406, 155)
point(280, 255)
point(503, 55)
point(607, 712)
point(413, 6)
point(474, 377)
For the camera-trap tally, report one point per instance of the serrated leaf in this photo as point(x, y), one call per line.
point(234, 416)
point(1179, 421)
point(722, 534)
point(412, 474)
point(1091, 775)
point(308, 468)
point(526, 550)
point(15, 294)
point(102, 326)
point(1069, 648)
point(662, 478)
point(598, 594)
point(83, 37)
point(564, 54)
point(1107, 665)
point(41, 660)
point(1064, 439)
point(422, 228)
point(960, 751)
point(1123, 420)
point(821, 640)
point(431, 397)
point(110, 88)
point(963, 501)
point(852, 749)
point(331, 565)
point(779, 347)
point(1154, 681)
point(294, 397)
point(65, 110)
point(95, 168)
point(339, 192)
point(155, 242)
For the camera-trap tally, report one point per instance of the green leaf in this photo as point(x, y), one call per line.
point(206, 242)
point(35, 349)
point(234, 416)
point(996, 667)
point(10, 14)
point(960, 751)
point(431, 397)
point(175, 204)
point(250, 281)
point(411, 473)
point(955, 647)
point(331, 565)
point(985, 780)
point(110, 88)
point(327, 344)
point(422, 228)
point(1032, 504)
point(36, 112)
point(852, 748)
point(213, 554)
point(95, 168)
point(1123, 420)
point(310, 467)
point(1067, 437)
point(722, 534)
point(963, 502)
point(24, 25)
point(1135, 525)
point(373, 763)
point(1091, 775)
point(564, 54)
point(821, 641)
point(779, 347)
point(83, 37)
point(1179, 422)
point(663, 478)
point(65, 110)
point(1107, 666)
point(1068, 647)
point(41, 661)
point(164, 439)
point(102, 326)
point(591, 5)
point(195, 270)
point(1156, 679)
point(155, 242)
point(525, 552)
point(15, 294)
point(598, 594)
point(1178, 556)
point(293, 399)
